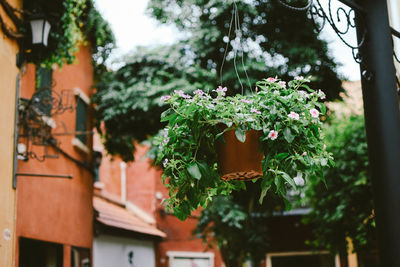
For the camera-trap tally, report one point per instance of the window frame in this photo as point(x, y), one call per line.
point(190, 254)
point(268, 257)
point(76, 142)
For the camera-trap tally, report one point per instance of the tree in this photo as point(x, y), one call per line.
point(273, 43)
point(236, 224)
point(343, 207)
point(275, 40)
point(128, 101)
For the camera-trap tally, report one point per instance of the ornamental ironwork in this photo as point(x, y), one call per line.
point(341, 20)
point(36, 122)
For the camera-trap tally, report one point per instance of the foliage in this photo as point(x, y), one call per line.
point(290, 139)
point(128, 100)
point(237, 225)
point(100, 36)
point(344, 206)
point(274, 41)
point(271, 46)
point(72, 23)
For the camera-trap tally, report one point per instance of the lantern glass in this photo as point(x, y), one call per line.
point(40, 31)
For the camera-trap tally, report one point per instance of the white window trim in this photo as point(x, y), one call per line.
point(188, 254)
point(79, 93)
point(122, 167)
point(298, 253)
point(79, 145)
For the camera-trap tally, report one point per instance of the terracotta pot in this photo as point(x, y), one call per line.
point(237, 160)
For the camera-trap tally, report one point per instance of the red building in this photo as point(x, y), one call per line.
point(54, 179)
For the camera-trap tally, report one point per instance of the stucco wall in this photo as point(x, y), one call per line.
point(8, 77)
point(55, 209)
point(114, 251)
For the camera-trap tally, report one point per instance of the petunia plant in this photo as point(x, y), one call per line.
point(287, 116)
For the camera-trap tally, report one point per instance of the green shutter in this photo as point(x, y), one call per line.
point(44, 78)
point(81, 117)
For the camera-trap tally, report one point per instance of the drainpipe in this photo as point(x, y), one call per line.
point(123, 181)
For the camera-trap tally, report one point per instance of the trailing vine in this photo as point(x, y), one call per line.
point(73, 22)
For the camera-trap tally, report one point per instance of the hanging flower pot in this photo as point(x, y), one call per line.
point(237, 160)
point(273, 134)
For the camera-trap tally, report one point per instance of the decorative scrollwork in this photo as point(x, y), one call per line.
point(37, 122)
point(341, 21)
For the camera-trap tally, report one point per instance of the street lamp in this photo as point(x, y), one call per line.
point(40, 29)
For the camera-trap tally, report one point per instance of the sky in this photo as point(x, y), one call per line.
point(132, 27)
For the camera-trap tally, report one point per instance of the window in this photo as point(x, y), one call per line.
point(34, 253)
point(82, 103)
point(81, 119)
point(302, 259)
point(80, 257)
point(369, 259)
point(44, 78)
point(190, 259)
point(43, 94)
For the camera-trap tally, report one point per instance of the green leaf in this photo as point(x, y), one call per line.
point(281, 156)
point(194, 170)
point(265, 186)
point(288, 179)
point(169, 117)
point(180, 213)
point(287, 133)
point(323, 109)
point(240, 134)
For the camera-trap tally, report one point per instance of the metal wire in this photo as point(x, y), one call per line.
point(235, 22)
point(226, 48)
point(235, 48)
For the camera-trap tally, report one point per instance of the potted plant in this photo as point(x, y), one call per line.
point(286, 118)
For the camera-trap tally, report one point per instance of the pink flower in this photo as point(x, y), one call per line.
point(246, 101)
point(294, 115)
point(181, 94)
point(273, 134)
point(314, 113)
point(298, 180)
point(255, 110)
point(321, 94)
point(165, 162)
point(303, 94)
point(198, 92)
point(271, 80)
point(299, 78)
point(282, 83)
point(165, 98)
point(221, 90)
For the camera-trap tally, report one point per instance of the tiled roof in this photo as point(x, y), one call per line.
point(116, 216)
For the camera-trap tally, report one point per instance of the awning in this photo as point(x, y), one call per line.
point(116, 216)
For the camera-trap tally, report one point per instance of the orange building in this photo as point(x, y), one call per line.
point(54, 177)
point(139, 187)
point(9, 74)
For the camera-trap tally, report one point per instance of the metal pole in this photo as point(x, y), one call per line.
point(382, 121)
